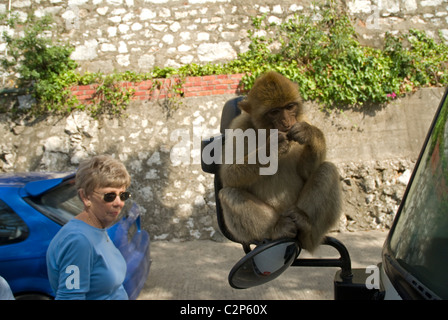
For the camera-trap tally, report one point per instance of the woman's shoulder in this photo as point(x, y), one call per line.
point(73, 232)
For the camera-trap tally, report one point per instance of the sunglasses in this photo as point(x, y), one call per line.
point(110, 197)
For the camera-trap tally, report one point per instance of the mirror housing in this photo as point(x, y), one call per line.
point(263, 264)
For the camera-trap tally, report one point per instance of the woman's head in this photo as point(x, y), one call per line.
point(101, 172)
point(101, 183)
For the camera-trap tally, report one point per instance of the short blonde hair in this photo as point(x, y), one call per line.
point(101, 171)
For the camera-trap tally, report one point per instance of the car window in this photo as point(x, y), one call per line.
point(12, 228)
point(60, 204)
point(420, 239)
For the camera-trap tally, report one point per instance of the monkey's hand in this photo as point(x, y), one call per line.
point(283, 143)
point(301, 132)
point(300, 219)
point(285, 228)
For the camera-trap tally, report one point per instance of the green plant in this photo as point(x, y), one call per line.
point(54, 95)
point(417, 59)
point(34, 56)
point(46, 67)
point(111, 96)
point(171, 89)
point(319, 51)
point(42, 64)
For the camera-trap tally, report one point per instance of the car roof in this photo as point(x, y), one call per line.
point(33, 183)
point(20, 179)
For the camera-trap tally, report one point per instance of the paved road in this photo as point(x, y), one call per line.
point(198, 270)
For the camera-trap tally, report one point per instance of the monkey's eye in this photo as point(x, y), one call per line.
point(274, 113)
point(290, 106)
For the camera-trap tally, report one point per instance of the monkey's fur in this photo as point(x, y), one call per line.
point(303, 199)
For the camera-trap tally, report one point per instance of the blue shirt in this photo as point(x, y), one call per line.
point(83, 263)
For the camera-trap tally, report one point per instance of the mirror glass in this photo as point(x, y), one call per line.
point(265, 263)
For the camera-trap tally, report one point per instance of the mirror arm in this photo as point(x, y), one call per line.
point(343, 262)
point(246, 248)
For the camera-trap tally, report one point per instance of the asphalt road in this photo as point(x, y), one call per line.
point(198, 270)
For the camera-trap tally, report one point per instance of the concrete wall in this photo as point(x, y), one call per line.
point(376, 133)
point(137, 35)
point(375, 151)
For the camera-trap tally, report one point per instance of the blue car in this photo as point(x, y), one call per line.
point(33, 207)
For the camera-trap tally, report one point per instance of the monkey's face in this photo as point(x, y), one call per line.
point(274, 102)
point(282, 118)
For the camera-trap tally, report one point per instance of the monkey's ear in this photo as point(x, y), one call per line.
point(245, 105)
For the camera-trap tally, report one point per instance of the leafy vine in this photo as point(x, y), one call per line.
point(319, 51)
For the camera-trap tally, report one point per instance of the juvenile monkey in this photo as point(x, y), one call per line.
point(303, 198)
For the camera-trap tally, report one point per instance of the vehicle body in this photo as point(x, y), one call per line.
point(415, 254)
point(33, 208)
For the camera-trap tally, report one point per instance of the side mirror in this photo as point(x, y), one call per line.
point(263, 264)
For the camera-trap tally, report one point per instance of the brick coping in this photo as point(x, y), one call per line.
point(192, 87)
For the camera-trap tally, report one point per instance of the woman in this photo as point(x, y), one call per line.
point(82, 261)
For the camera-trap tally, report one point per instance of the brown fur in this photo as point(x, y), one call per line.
point(303, 198)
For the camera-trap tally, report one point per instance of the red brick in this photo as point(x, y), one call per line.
point(141, 93)
point(145, 85)
point(216, 92)
point(193, 80)
point(159, 88)
point(86, 87)
point(208, 78)
point(78, 93)
point(237, 76)
point(126, 84)
point(227, 81)
point(89, 91)
point(195, 89)
point(221, 86)
point(189, 84)
point(85, 97)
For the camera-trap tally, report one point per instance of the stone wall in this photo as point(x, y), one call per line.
point(137, 35)
point(375, 151)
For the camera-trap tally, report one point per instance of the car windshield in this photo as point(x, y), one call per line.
point(419, 240)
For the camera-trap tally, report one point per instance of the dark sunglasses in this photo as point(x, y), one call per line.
point(110, 197)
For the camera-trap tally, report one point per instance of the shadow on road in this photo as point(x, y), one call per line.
point(198, 270)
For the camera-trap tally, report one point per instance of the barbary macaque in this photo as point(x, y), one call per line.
point(302, 199)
